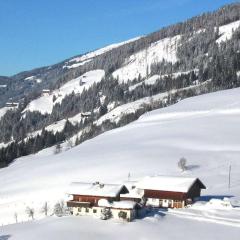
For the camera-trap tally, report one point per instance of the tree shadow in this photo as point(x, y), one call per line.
point(5, 237)
point(192, 167)
point(207, 198)
point(152, 212)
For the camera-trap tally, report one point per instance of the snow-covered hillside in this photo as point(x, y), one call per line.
point(79, 61)
point(44, 104)
point(227, 30)
point(140, 62)
point(203, 129)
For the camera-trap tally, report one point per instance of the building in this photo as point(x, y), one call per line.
point(132, 198)
point(12, 104)
point(46, 92)
point(169, 191)
point(134, 194)
point(95, 198)
point(85, 114)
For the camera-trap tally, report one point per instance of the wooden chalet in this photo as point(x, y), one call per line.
point(92, 198)
point(170, 192)
point(130, 198)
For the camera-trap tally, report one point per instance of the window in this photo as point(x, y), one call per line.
point(79, 209)
point(94, 210)
point(87, 210)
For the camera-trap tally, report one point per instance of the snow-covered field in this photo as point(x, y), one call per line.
point(204, 129)
point(227, 30)
point(160, 226)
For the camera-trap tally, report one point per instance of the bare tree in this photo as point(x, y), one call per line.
point(182, 164)
point(58, 149)
point(45, 208)
point(69, 143)
point(30, 212)
point(16, 217)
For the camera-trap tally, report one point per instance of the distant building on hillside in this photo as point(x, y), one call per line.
point(86, 114)
point(12, 104)
point(46, 92)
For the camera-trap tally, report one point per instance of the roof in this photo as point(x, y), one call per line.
point(168, 183)
point(96, 189)
point(117, 204)
point(133, 192)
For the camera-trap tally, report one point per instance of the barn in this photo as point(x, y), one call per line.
point(170, 191)
point(94, 198)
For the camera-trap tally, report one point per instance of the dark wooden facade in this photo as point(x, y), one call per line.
point(93, 200)
point(193, 192)
point(137, 200)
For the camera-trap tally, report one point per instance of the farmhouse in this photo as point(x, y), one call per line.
point(128, 200)
point(46, 92)
point(97, 198)
point(169, 191)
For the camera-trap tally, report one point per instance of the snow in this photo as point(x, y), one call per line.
point(149, 81)
point(33, 78)
point(58, 126)
point(117, 113)
point(119, 204)
point(204, 129)
point(44, 104)
point(161, 226)
point(3, 111)
point(227, 30)
point(95, 189)
point(133, 192)
point(140, 61)
point(153, 79)
point(166, 183)
point(79, 61)
point(75, 65)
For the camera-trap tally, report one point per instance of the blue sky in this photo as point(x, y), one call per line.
point(37, 33)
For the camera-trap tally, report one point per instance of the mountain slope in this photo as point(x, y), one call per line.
point(203, 129)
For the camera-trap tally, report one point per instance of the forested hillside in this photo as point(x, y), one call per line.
point(110, 87)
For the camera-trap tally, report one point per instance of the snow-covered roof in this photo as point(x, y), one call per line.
point(96, 189)
point(168, 183)
point(117, 204)
point(133, 192)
